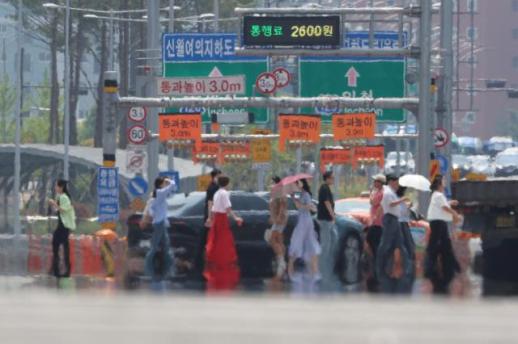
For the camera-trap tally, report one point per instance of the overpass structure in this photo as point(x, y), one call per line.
point(42, 164)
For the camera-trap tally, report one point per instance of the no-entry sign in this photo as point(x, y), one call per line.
point(440, 137)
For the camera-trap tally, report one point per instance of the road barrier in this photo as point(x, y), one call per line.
point(89, 255)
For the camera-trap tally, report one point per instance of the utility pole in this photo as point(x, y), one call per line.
point(111, 56)
point(170, 149)
point(425, 132)
point(444, 103)
point(17, 136)
point(153, 45)
point(66, 109)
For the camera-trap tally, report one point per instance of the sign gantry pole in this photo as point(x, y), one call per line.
point(153, 44)
point(425, 131)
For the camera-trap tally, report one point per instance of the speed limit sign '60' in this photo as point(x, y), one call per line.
point(137, 134)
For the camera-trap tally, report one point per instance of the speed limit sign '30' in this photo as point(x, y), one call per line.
point(137, 134)
point(137, 114)
point(266, 83)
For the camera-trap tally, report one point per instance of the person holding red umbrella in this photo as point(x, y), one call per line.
point(304, 243)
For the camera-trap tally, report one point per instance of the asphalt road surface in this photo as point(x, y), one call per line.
point(67, 317)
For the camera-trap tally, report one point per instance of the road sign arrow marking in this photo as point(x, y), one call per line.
point(352, 76)
point(215, 73)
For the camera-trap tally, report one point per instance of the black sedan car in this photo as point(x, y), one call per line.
point(256, 259)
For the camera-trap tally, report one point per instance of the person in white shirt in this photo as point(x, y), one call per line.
point(441, 261)
point(157, 211)
point(392, 254)
point(220, 250)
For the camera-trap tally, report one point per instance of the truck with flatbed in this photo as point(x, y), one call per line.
point(490, 208)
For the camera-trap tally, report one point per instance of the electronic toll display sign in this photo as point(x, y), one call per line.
point(291, 31)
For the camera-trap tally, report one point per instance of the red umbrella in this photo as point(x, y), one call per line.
point(287, 185)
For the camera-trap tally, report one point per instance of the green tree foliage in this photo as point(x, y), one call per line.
point(7, 103)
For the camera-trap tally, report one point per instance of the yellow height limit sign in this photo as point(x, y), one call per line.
point(261, 149)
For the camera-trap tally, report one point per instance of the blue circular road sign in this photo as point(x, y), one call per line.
point(137, 186)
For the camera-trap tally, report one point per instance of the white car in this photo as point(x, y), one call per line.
point(391, 163)
point(482, 164)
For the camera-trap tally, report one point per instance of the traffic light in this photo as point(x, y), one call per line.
point(433, 85)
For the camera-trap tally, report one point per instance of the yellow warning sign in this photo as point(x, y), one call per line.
point(261, 149)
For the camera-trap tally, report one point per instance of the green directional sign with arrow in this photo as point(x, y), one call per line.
point(205, 65)
point(356, 77)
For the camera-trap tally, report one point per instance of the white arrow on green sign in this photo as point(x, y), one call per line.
point(356, 77)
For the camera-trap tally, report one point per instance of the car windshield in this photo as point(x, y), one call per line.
point(352, 206)
point(507, 159)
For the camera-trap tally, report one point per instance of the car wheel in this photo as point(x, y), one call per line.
point(350, 258)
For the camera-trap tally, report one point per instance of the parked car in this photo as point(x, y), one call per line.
point(255, 256)
point(391, 163)
point(507, 163)
point(470, 145)
point(391, 129)
point(411, 129)
point(356, 207)
point(359, 208)
point(482, 164)
point(498, 144)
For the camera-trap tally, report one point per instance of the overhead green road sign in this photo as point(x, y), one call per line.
point(206, 65)
point(357, 77)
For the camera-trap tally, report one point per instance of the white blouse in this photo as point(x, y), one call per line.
point(436, 211)
point(221, 201)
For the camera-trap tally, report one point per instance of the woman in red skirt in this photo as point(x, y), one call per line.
point(220, 250)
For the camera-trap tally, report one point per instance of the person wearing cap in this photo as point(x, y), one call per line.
point(376, 214)
point(326, 220)
point(278, 219)
point(391, 257)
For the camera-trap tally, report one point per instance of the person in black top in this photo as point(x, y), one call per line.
point(326, 220)
point(209, 198)
point(209, 195)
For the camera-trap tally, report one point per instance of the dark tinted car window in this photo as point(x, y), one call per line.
point(192, 205)
point(246, 202)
